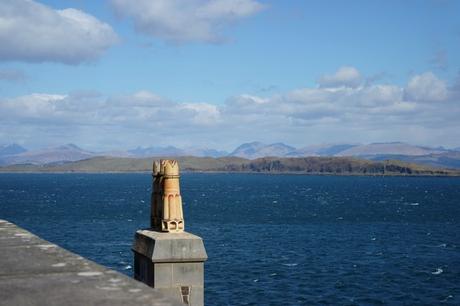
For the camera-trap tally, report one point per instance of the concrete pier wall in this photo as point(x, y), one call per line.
point(172, 263)
point(34, 271)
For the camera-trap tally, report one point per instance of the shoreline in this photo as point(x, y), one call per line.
point(243, 172)
point(337, 166)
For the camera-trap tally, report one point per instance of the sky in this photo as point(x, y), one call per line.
point(117, 74)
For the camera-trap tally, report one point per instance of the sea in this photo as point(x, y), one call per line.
point(270, 239)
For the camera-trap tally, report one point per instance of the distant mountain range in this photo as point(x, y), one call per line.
point(65, 153)
point(11, 149)
point(173, 151)
point(256, 149)
point(393, 148)
point(13, 154)
point(301, 165)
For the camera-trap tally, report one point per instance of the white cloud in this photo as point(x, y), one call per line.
point(345, 76)
point(426, 87)
point(34, 106)
point(367, 113)
point(203, 113)
point(185, 20)
point(140, 110)
point(33, 32)
point(311, 104)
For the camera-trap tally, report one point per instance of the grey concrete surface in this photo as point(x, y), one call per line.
point(34, 271)
point(172, 263)
point(169, 247)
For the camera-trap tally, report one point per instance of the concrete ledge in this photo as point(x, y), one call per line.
point(172, 263)
point(34, 271)
point(169, 247)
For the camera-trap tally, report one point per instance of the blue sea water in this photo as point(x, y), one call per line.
point(271, 239)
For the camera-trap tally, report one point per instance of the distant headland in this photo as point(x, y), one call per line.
point(437, 157)
point(271, 165)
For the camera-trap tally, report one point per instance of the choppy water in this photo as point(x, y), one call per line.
point(271, 239)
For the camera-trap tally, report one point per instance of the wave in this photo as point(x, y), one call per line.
point(290, 264)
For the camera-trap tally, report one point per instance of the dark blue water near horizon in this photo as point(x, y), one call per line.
point(271, 239)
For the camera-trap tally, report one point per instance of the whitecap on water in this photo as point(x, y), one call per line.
point(450, 296)
point(438, 271)
point(128, 267)
point(290, 264)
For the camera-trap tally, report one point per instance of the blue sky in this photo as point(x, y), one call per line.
point(229, 71)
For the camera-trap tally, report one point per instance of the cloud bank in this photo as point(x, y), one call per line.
point(33, 32)
point(425, 111)
point(345, 76)
point(185, 20)
point(426, 87)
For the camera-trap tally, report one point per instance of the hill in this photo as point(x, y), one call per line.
point(320, 150)
point(449, 159)
point(393, 148)
point(305, 165)
point(173, 151)
point(11, 149)
point(64, 153)
point(431, 157)
point(256, 149)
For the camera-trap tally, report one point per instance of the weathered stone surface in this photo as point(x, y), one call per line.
point(167, 214)
point(167, 247)
point(34, 271)
point(166, 257)
point(171, 262)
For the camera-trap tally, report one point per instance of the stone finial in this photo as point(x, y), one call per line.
point(166, 214)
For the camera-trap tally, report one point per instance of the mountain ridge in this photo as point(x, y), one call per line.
point(439, 156)
point(269, 165)
point(11, 149)
point(257, 149)
point(62, 153)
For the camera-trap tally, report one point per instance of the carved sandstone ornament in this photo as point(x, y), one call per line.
point(166, 203)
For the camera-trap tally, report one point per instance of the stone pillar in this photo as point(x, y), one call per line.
point(165, 256)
